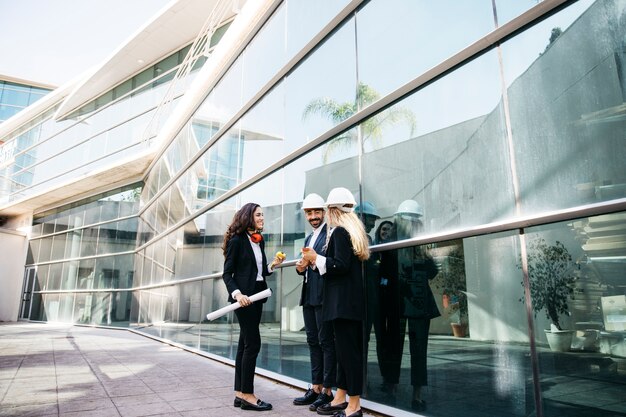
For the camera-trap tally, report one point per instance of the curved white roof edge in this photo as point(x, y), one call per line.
point(17, 80)
point(177, 24)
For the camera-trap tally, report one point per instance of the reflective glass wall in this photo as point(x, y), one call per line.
point(14, 97)
point(489, 168)
point(83, 259)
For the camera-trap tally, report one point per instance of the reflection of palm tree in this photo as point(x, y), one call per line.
point(371, 129)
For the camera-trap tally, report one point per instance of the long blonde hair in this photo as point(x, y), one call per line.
point(355, 229)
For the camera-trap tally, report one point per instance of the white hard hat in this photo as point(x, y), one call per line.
point(341, 197)
point(367, 208)
point(313, 201)
point(410, 207)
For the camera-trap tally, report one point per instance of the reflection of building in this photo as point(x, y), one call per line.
point(122, 185)
point(16, 95)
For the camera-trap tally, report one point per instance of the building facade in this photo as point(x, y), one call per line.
point(16, 95)
point(488, 134)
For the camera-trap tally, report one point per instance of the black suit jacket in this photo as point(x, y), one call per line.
point(343, 281)
point(313, 290)
point(240, 270)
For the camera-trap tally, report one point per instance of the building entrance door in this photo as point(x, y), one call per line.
point(27, 292)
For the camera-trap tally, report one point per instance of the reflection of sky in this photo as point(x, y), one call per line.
point(397, 41)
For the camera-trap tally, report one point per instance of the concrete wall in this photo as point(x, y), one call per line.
point(13, 246)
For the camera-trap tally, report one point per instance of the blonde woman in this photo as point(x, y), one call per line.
point(343, 303)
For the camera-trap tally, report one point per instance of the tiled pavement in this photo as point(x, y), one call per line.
point(63, 370)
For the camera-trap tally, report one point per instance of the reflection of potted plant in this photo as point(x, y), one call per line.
point(550, 272)
point(451, 282)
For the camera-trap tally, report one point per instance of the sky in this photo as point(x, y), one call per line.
point(54, 41)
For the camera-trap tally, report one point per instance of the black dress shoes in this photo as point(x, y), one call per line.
point(418, 405)
point(259, 406)
point(329, 410)
point(237, 402)
point(308, 398)
point(342, 413)
point(322, 399)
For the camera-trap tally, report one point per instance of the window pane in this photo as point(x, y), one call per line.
point(566, 121)
point(577, 276)
point(426, 157)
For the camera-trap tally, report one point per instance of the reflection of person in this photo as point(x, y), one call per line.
point(384, 232)
point(346, 248)
point(369, 215)
point(415, 269)
point(319, 333)
point(389, 335)
point(245, 269)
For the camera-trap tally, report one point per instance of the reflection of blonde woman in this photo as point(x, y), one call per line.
point(343, 305)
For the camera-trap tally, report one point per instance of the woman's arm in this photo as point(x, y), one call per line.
point(230, 261)
point(339, 262)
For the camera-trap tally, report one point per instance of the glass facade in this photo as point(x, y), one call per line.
point(86, 246)
point(493, 155)
point(14, 97)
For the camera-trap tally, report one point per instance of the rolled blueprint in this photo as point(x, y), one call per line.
point(234, 306)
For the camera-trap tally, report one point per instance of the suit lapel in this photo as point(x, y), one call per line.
point(248, 248)
point(321, 240)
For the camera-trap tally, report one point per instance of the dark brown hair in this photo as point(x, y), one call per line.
point(242, 221)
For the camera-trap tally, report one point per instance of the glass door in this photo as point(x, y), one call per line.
point(27, 293)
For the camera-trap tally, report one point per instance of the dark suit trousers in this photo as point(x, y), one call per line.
point(321, 340)
point(349, 347)
point(249, 346)
point(418, 347)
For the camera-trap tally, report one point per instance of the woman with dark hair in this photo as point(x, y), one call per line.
point(245, 269)
point(343, 305)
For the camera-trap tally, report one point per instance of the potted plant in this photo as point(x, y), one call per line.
point(551, 276)
point(451, 282)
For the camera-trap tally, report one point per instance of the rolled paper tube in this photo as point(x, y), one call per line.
point(234, 306)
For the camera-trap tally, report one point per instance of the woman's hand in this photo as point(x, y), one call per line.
point(243, 300)
point(301, 265)
point(309, 255)
point(278, 259)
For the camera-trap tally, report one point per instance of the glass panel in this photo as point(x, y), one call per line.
point(265, 55)
point(50, 310)
point(86, 272)
point(406, 38)
point(45, 249)
point(89, 241)
point(66, 307)
point(58, 246)
point(225, 99)
point(55, 276)
point(577, 274)
point(120, 308)
point(321, 92)
point(262, 134)
point(436, 324)
point(572, 152)
point(426, 156)
point(33, 251)
point(305, 19)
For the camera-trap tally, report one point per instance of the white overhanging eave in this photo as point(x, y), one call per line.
point(176, 25)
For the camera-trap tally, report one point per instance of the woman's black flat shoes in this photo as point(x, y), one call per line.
point(259, 406)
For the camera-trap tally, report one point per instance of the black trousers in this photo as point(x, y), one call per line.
point(248, 347)
point(418, 347)
point(390, 334)
point(321, 340)
point(349, 347)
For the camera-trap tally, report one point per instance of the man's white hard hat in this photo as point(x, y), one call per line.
point(313, 201)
